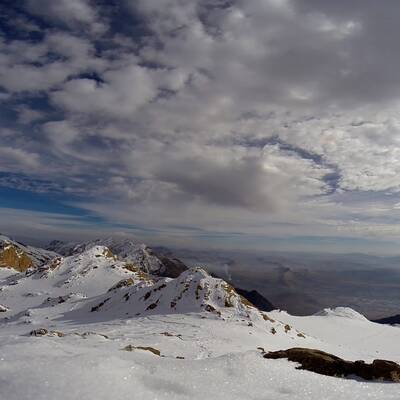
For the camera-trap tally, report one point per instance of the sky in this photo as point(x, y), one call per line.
point(245, 124)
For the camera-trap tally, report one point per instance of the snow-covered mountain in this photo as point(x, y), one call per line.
point(344, 312)
point(126, 249)
point(194, 291)
point(95, 324)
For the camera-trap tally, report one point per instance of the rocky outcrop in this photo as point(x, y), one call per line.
point(172, 267)
point(45, 332)
point(3, 308)
point(156, 352)
point(256, 298)
point(21, 257)
point(11, 256)
point(327, 364)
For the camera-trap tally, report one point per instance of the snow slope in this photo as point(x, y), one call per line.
point(348, 334)
point(208, 338)
point(193, 291)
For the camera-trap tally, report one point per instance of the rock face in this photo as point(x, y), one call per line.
point(257, 299)
point(172, 267)
point(21, 257)
point(327, 364)
point(11, 256)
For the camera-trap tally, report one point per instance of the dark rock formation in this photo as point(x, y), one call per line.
point(327, 364)
point(256, 299)
point(389, 320)
point(173, 267)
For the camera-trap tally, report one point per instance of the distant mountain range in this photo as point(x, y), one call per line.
point(22, 257)
point(119, 278)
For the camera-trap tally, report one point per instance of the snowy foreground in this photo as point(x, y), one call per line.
point(207, 336)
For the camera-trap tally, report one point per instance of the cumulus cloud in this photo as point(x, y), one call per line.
point(119, 95)
point(230, 115)
point(70, 12)
point(30, 67)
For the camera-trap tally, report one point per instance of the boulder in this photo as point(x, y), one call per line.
point(328, 364)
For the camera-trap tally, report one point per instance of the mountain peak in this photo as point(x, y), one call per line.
point(126, 249)
point(193, 291)
point(343, 312)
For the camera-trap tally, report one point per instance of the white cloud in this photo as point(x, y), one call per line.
point(227, 116)
point(70, 12)
point(26, 67)
point(120, 95)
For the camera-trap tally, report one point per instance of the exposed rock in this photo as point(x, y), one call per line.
point(39, 332)
point(267, 318)
point(122, 283)
point(151, 349)
point(44, 332)
point(21, 257)
point(96, 308)
point(179, 336)
point(172, 267)
point(143, 276)
point(257, 299)
point(85, 335)
point(327, 364)
point(287, 328)
point(11, 256)
point(252, 296)
point(3, 308)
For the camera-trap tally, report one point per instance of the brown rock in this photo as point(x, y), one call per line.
point(44, 332)
point(3, 308)
point(146, 348)
point(39, 332)
point(12, 257)
point(327, 364)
